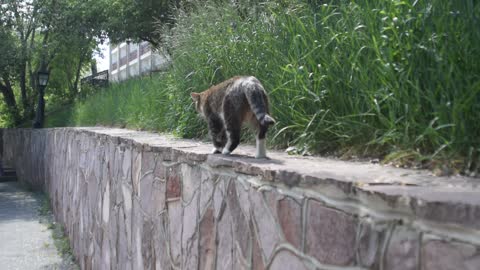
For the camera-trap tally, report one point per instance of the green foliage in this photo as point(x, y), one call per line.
point(59, 117)
point(58, 36)
point(5, 119)
point(44, 209)
point(8, 47)
point(141, 103)
point(367, 77)
point(137, 20)
point(8, 66)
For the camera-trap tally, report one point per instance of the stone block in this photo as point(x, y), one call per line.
point(106, 204)
point(190, 228)
point(191, 180)
point(126, 165)
point(127, 205)
point(265, 225)
point(206, 190)
point(175, 218)
point(112, 236)
point(330, 235)
point(160, 169)
point(124, 253)
point(244, 200)
point(271, 198)
point(258, 262)
point(137, 160)
point(207, 240)
point(442, 255)
point(241, 229)
point(138, 221)
point(219, 203)
point(225, 241)
point(93, 197)
point(105, 252)
point(151, 192)
point(190, 255)
point(289, 214)
point(174, 185)
point(160, 243)
point(285, 259)
point(96, 254)
point(403, 250)
point(370, 242)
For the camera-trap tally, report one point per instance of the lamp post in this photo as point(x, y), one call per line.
point(42, 80)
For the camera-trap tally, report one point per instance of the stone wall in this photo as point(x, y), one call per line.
point(136, 200)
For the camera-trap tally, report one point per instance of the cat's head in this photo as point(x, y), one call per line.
point(197, 100)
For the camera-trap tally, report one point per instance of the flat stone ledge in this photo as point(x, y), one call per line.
point(444, 200)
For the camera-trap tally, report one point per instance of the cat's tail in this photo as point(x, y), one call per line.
point(267, 120)
point(258, 101)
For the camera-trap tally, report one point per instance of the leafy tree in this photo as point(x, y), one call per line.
point(22, 18)
point(138, 19)
point(60, 36)
point(77, 32)
point(8, 59)
point(55, 35)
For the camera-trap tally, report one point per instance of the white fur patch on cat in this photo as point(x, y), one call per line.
point(261, 149)
point(226, 150)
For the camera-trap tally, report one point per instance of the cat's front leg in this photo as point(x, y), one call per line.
point(219, 141)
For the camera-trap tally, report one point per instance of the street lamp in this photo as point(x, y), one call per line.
point(42, 80)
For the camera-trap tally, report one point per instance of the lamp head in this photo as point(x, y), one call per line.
point(42, 78)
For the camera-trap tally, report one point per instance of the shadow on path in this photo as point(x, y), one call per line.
point(25, 243)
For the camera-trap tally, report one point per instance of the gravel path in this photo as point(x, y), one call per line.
point(25, 243)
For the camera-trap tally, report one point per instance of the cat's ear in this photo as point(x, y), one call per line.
point(195, 96)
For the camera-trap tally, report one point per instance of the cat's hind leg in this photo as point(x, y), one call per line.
point(233, 139)
point(232, 121)
point(261, 149)
point(217, 131)
point(233, 128)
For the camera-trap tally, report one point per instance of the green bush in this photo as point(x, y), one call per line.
point(384, 78)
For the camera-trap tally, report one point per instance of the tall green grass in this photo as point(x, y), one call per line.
point(397, 79)
point(138, 103)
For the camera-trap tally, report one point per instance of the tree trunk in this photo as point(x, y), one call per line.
point(74, 89)
point(9, 97)
point(31, 109)
point(23, 78)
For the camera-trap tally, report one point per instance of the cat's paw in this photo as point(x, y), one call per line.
point(261, 156)
point(216, 151)
point(226, 152)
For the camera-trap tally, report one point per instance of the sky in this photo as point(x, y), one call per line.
point(103, 57)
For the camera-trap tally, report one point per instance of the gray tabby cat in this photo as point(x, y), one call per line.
point(226, 106)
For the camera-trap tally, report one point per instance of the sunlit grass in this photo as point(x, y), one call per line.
point(393, 78)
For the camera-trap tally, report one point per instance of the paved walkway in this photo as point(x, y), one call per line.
point(25, 243)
